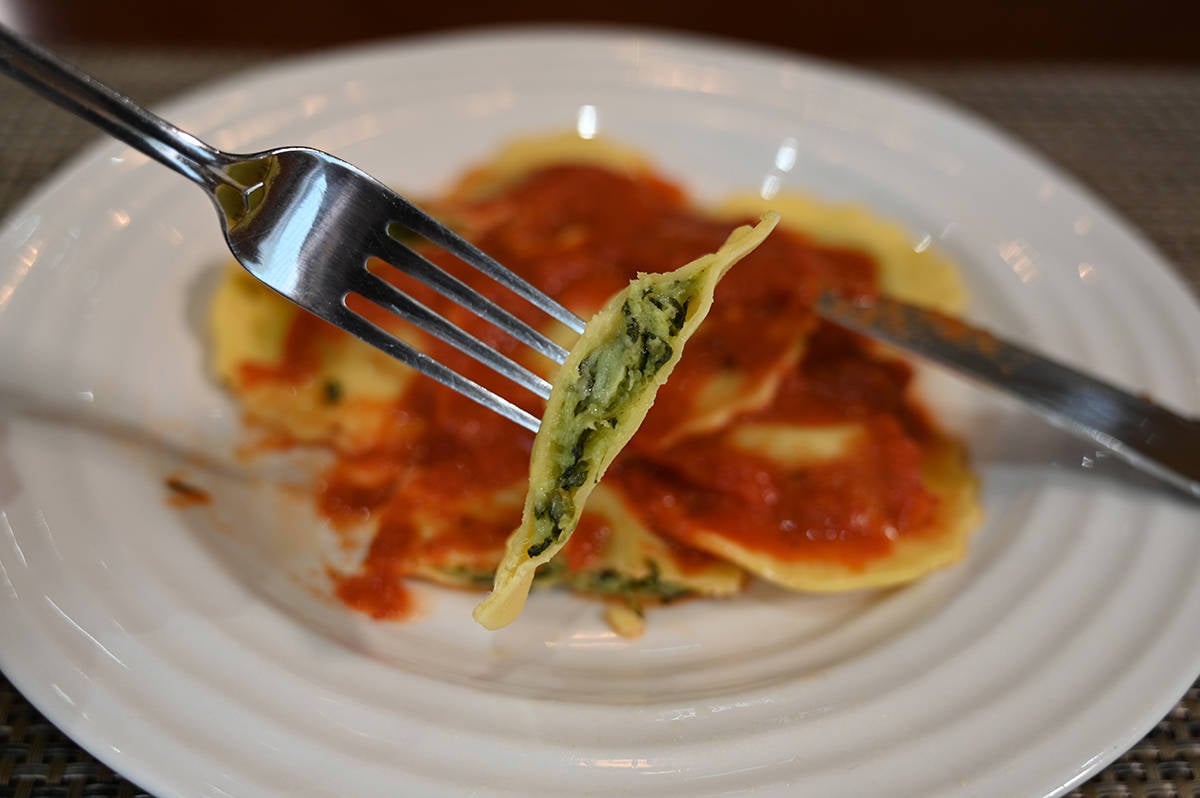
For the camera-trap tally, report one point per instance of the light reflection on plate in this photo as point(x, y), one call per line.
point(188, 651)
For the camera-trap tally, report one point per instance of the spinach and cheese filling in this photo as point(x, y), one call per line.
point(600, 397)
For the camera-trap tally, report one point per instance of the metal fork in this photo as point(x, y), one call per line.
point(306, 223)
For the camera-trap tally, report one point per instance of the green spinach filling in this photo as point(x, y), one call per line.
point(651, 587)
point(605, 582)
point(606, 382)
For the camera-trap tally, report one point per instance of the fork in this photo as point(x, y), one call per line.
point(306, 223)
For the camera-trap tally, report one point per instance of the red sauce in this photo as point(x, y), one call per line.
point(585, 547)
point(184, 494)
point(581, 233)
point(380, 594)
point(848, 511)
point(354, 487)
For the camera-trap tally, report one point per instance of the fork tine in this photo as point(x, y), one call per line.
point(415, 265)
point(391, 298)
point(352, 323)
point(419, 222)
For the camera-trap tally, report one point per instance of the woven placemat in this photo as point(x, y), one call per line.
point(1132, 135)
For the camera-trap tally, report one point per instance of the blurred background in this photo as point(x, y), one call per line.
point(1149, 31)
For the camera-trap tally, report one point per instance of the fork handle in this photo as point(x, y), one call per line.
point(108, 109)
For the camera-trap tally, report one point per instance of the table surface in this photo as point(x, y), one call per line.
point(1144, 31)
point(1131, 133)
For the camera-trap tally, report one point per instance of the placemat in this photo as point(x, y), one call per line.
point(1132, 135)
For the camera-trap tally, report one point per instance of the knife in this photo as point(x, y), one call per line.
point(1144, 434)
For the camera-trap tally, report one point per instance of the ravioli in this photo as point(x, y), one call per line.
point(583, 215)
point(458, 543)
point(811, 555)
point(612, 554)
point(907, 269)
point(769, 408)
point(297, 375)
point(841, 483)
point(600, 397)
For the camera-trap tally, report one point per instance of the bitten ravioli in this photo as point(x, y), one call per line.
point(600, 397)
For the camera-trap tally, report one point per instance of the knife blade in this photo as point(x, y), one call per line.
point(1133, 428)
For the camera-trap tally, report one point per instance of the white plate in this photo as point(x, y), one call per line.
point(186, 650)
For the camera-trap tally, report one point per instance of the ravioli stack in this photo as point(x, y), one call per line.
point(781, 447)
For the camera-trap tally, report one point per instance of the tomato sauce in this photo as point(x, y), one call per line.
point(585, 547)
point(184, 494)
point(580, 233)
point(380, 593)
point(847, 511)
